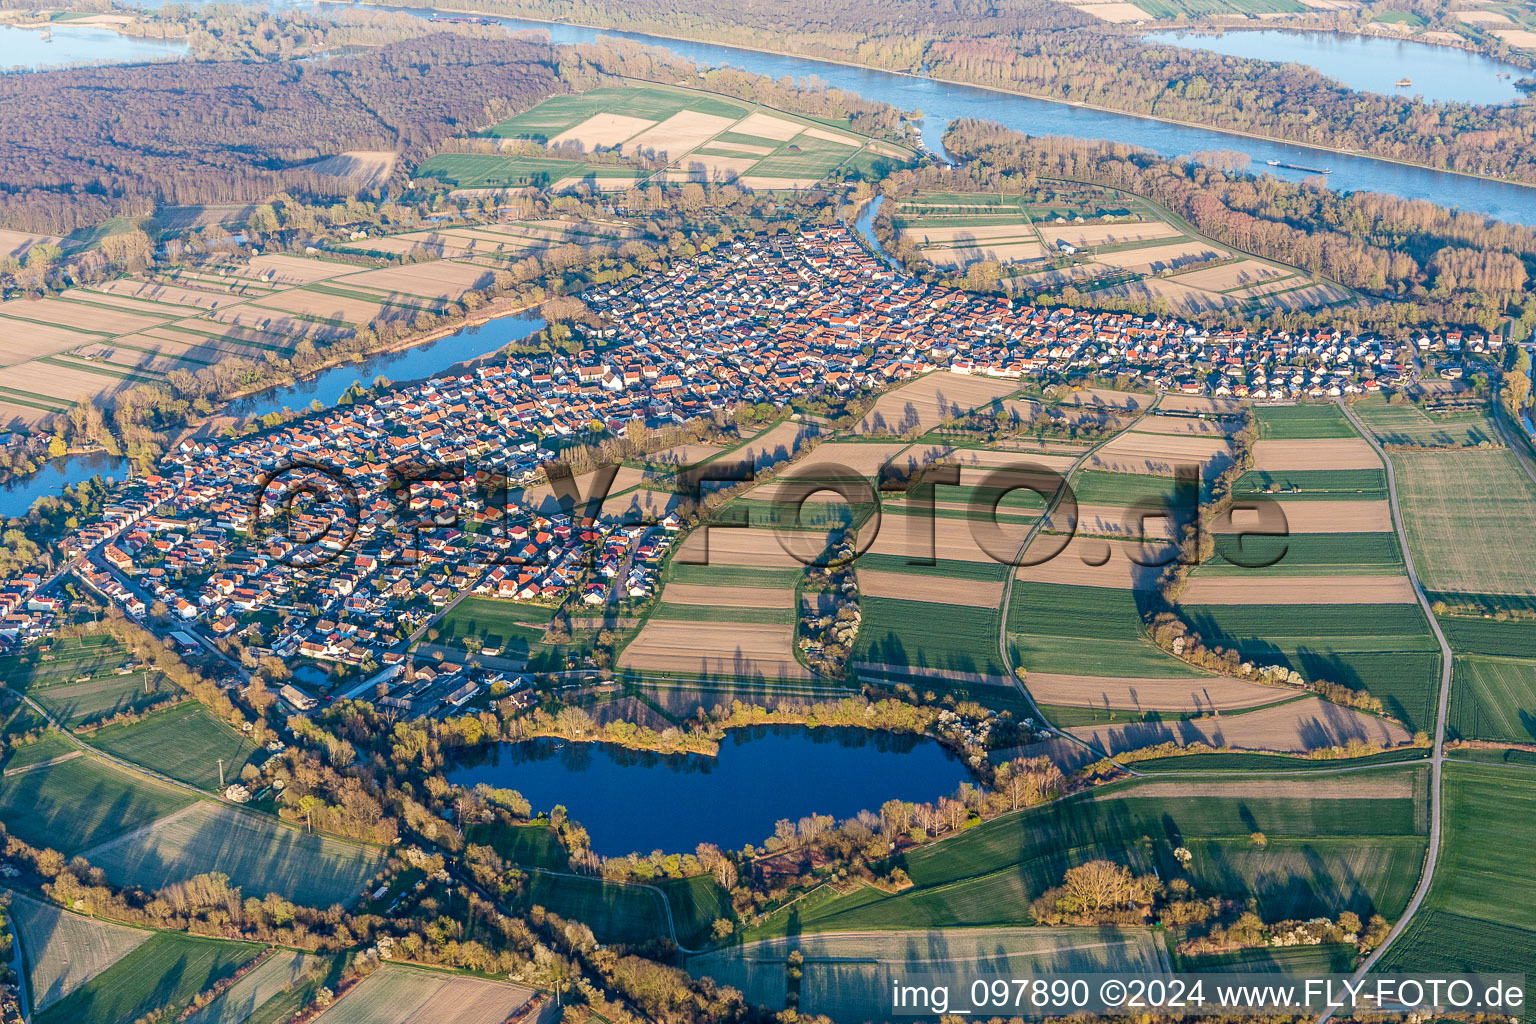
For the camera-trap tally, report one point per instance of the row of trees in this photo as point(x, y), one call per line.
point(1043, 48)
point(1426, 264)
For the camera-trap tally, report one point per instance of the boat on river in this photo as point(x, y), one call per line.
point(1300, 167)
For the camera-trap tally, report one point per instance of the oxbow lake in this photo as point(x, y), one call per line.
point(17, 496)
point(26, 48)
point(638, 801)
point(414, 363)
point(1368, 63)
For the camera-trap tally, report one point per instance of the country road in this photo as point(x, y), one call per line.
point(1012, 575)
point(1437, 759)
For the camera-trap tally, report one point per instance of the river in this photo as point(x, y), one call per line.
point(638, 801)
point(27, 49)
point(1369, 63)
point(414, 363)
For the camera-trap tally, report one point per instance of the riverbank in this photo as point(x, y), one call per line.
point(219, 419)
point(999, 90)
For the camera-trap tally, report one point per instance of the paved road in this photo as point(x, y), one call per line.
point(1437, 759)
point(1002, 640)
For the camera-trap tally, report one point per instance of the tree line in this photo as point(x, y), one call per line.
point(1047, 49)
point(1421, 263)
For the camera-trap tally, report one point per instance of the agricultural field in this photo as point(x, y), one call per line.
point(407, 995)
point(1102, 241)
point(1386, 649)
point(258, 853)
point(927, 401)
point(62, 950)
point(267, 982)
point(184, 742)
point(1470, 920)
point(988, 874)
point(848, 975)
point(493, 171)
point(1405, 425)
point(934, 639)
point(1300, 422)
point(90, 342)
point(1467, 514)
point(75, 804)
point(83, 680)
point(679, 134)
point(161, 974)
point(1131, 11)
point(615, 912)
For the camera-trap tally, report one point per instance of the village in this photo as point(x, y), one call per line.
point(779, 321)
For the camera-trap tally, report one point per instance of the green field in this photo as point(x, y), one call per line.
point(926, 635)
point(1231, 762)
point(1301, 879)
point(1404, 424)
point(1384, 648)
point(1292, 422)
point(487, 170)
point(1469, 516)
point(1475, 918)
point(614, 912)
point(1329, 484)
point(988, 874)
point(77, 804)
point(697, 902)
point(79, 680)
point(258, 853)
point(1055, 627)
point(1494, 699)
point(185, 742)
point(530, 845)
point(849, 977)
point(514, 626)
point(1308, 554)
point(651, 102)
point(1096, 487)
point(162, 975)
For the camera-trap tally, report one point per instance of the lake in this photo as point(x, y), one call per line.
point(1369, 63)
point(17, 496)
point(631, 800)
point(78, 44)
point(415, 363)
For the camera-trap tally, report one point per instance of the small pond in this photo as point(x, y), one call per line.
point(631, 800)
point(1368, 63)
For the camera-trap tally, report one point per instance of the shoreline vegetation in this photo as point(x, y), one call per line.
point(492, 9)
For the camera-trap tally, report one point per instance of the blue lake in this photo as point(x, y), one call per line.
point(415, 363)
point(632, 800)
point(16, 497)
point(78, 44)
point(1368, 63)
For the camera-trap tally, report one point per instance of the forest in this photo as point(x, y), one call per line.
point(80, 146)
point(1049, 50)
point(1426, 263)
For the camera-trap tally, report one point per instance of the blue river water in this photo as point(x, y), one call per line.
point(31, 50)
point(637, 801)
point(1369, 63)
point(415, 363)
